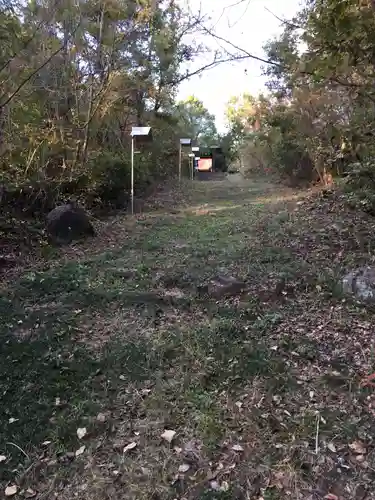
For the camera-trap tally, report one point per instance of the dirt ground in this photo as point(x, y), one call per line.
point(120, 379)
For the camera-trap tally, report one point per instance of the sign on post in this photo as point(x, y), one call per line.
point(139, 135)
point(183, 142)
point(192, 156)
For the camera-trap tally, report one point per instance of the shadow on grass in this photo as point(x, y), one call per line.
point(51, 385)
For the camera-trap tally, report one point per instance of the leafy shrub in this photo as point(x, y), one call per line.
point(360, 186)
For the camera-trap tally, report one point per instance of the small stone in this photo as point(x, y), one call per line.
point(225, 286)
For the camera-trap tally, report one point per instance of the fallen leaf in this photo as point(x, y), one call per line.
point(168, 435)
point(214, 485)
point(2, 458)
point(130, 446)
point(46, 443)
point(12, 420)
point(331, 496)
point(30, 493)
point(224, 486)
point(331, 447)
point(80, 451)
point(357, 447)
point(101, 417)
point(11, 490)
point(237, 447)
point(184, 468)
point(81, 432)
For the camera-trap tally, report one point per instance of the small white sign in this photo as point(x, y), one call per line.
point(195, 148)
point(185, 142)
point(140, 131)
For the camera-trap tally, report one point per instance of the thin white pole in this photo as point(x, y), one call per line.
point(132, 177)
point(179, 163)
point(192, 168)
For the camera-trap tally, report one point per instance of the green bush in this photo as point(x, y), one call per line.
point(360, 186)
point(291, 162)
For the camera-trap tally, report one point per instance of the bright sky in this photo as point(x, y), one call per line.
point(247, 24)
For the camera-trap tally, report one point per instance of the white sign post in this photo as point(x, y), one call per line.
point(192, 156)
point(183, 142)
point(139, 134)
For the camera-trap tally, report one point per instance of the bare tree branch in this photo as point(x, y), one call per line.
point(33, 73)
point(207, 66)
point(284, 21)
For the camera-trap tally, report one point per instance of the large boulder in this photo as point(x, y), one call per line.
point(68, 222)
point(360, 283)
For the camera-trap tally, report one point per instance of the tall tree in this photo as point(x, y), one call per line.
point(198, 123)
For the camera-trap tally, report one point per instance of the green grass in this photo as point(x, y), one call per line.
point(107, 334)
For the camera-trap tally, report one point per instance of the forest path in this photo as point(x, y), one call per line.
point(121, 338)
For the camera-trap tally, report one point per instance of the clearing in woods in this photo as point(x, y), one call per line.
point(261, 390)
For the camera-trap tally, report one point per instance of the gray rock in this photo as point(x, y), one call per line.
point(69, 222)
point(222, 286)
point(360, 283)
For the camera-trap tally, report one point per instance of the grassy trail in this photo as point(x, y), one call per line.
point(262, 389)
